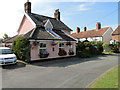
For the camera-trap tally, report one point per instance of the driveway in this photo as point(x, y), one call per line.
point(60, 73)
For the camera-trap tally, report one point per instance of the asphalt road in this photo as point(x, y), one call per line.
point(62, 73)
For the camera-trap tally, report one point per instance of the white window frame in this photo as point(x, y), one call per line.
point(42, 47)
point(63, 46)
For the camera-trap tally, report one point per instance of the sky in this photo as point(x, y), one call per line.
point(74, 13)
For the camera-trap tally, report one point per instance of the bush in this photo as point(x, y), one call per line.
point(88, 49)
point(21, 47)
point(111, 47)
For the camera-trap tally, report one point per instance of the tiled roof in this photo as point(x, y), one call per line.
point(9, 40)
point(40, 21)
point(117, 31)
point(39, 33)
point(90, 33)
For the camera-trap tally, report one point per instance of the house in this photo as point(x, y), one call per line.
point(98, 34)
point(49, 37)
point(116, 34)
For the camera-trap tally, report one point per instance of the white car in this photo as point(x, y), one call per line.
point(7, 56)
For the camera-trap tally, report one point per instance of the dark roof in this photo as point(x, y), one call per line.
point(39, 20)
point(117, 31)
point(64, 36)
point(41, 34)
point(90, 33)
point(11, 39)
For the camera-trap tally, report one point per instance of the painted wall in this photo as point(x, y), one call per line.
point(52, 54)
point(25, 26)
point(91, 39)
point(107, 36)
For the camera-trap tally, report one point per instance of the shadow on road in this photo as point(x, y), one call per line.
point(64, 62)
point(14, 66)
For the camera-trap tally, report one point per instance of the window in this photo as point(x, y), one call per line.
point(70, 48)
point(61, 46)
point(43, 46)
point(53, 33)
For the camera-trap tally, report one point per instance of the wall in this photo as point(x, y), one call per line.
point(25, 26)
point(91, 39)
point(116, 37)
point(52, 54)
point(107, 36)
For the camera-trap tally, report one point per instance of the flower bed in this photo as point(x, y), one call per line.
point(44, 54)
point(62, 53)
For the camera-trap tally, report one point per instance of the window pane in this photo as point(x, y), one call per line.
point(42, 45)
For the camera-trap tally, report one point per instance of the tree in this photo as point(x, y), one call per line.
point(21, 47)
point(5, 36)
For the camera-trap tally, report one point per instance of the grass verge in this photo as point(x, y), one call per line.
point(108, 80)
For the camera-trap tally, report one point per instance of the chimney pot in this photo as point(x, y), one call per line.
point(57, 14)
point(78, 30)
point(85, 28)
point(98, 26)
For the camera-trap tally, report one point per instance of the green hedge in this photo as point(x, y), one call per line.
point(88, 49)
point(111, 47)
point(21, 47)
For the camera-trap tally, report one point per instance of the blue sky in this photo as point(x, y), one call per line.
point(74, 14)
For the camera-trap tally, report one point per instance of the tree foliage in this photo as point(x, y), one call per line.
point(21, 47)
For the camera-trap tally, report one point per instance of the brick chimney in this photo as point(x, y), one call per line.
point(57, 14)
point(98, 26)
point(77, 30)
point(27, 7)
point(85, 29)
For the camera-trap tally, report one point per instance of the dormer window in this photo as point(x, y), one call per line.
point(52, 33)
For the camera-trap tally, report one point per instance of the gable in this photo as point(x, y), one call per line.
point(48, 24)
point(25, 26)
point(117, 31)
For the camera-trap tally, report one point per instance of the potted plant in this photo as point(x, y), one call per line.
point(62, 53)
point(71, 53)
point(68, 43)
point(35, 43)
point(53, 44)
point(43, 54)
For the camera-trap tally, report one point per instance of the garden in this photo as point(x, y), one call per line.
point(95, 48)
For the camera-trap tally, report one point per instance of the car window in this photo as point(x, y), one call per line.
point(5, 51)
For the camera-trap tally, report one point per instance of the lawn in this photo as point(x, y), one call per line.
point(107, 80)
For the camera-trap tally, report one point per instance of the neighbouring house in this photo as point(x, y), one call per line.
point(116, 35)
point(49, 37)
point(98, 34)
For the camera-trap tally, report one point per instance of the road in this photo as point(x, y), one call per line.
point(62, 73)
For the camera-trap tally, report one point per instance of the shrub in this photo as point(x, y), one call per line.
point(21, 47)
point(88, 49)
point(111, 47)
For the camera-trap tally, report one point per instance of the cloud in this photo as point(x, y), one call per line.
point(85, 6)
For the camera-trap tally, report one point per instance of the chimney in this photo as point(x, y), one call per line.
point(57, 14)
point(77, 30)
point(98, 26)
point(27, 7)
point(85, 28)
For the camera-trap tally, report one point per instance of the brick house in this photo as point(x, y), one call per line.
point(98, 34)
point(116, 34)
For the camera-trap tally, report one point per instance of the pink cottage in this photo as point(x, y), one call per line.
point(49, 37)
